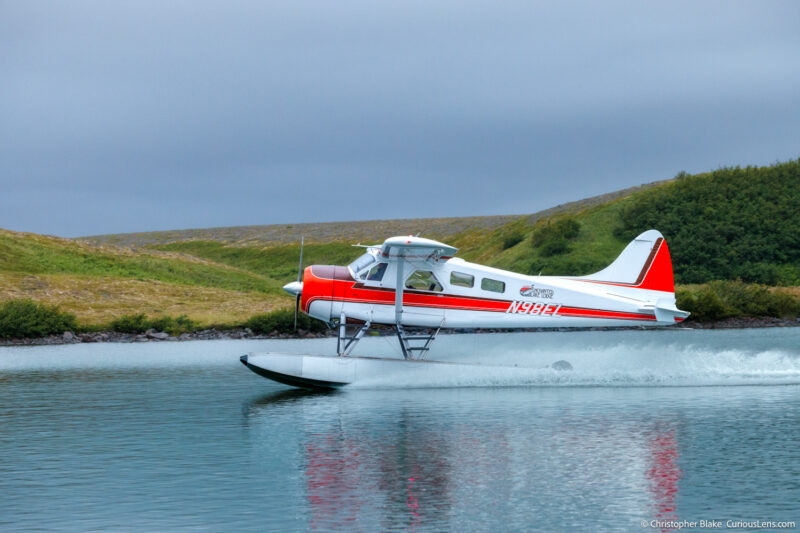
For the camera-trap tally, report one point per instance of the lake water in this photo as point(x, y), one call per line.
point(653, 426)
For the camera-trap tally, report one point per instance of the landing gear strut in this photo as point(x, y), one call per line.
point(346, 342)
point(420, 350)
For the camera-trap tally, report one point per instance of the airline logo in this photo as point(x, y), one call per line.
point(533, 309)
point(530, 290)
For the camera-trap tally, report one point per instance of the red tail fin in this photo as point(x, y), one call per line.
point(643, 264)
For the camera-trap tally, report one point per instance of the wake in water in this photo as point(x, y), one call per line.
point(675, 357)
point(624, 358)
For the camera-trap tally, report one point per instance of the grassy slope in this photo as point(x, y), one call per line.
point(96, 300)
point(278, 262)
point(595, 247)
point(37, 254)
point(100, 283)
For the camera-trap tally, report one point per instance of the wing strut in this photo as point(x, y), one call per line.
point(398, 290)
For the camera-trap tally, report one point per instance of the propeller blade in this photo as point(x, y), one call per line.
point(300, 265)
point(296, 309)
point(299, 277)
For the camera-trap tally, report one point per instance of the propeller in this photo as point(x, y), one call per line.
point(295, 288)
point(299, 277)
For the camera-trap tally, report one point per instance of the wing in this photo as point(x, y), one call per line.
point(416, 248)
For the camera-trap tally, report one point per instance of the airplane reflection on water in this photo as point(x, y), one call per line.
point(398, 461)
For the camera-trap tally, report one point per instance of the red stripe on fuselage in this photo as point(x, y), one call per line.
point(600, 313)
point(346, 291)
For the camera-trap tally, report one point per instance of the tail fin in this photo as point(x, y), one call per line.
point(643, 264)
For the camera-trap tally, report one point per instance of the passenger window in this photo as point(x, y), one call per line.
point(493, 285)
point(461, 280)
point(423, 280)
point(376, 272)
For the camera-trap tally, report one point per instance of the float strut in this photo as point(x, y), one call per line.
point(419, 351)
point(346, 343)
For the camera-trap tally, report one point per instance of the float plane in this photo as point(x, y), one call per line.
point(413, 282)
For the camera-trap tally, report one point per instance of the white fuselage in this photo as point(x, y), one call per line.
point(453, 293)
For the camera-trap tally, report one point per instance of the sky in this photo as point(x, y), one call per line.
point(128, 116)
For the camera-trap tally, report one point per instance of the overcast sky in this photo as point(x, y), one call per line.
point(120, 116)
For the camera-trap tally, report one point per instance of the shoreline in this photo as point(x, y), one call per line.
point(245, 333)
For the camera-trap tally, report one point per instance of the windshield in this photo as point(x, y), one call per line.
point(359, 264)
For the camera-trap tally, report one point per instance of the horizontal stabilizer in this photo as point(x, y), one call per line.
point(665, 311)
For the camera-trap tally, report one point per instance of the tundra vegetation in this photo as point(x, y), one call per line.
point(735, 223)
point(26, 318)
point(282, 321)
point(140, 323)
point(733, 235)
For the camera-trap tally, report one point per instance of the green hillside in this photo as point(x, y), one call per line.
point(99, 283)
point(733, 223)
point(36, 254)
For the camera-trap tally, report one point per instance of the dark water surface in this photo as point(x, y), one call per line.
point(674, 425)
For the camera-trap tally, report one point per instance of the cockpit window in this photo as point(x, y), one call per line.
point(376, 273)
point(423, 280)
point(361, 263)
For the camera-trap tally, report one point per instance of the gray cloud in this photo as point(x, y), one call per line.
point(135, 116)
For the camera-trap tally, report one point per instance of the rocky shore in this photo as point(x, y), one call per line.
point(245, 333)
point(744, 322)
point(157, 336)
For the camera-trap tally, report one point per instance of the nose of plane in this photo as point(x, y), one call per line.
point(294, 288)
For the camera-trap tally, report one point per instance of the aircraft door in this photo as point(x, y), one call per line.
point(423, 298)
